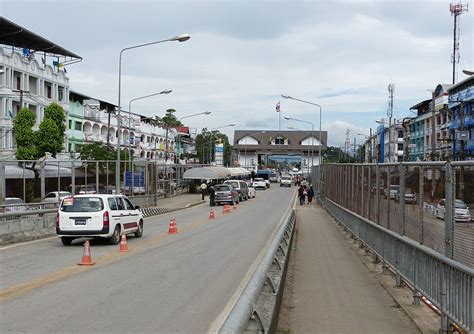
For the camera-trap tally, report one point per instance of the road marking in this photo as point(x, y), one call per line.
point(221, 318)
point(27, 243)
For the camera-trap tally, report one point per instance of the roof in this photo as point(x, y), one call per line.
point(207, 173)
point(422, 103)
point(15, 35)
point(460, 83)
point(263, 137)
point(238, 171)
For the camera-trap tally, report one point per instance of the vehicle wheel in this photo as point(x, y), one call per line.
point(67, 241)
point(139, 232)
point(115, 238)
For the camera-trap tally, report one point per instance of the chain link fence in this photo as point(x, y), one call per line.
point(40, 184)
point(430, 202)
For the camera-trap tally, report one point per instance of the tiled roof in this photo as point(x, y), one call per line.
point(264, 139)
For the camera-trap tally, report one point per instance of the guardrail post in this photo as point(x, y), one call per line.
point(389, 183)
point(448, 217)
point(369, 193)
point(2, 182)
point(377, 194)
point(362, 209)
point(416, 293)
point(443, 299)
point(421, 202)
point(401, 198)
point(352, 185)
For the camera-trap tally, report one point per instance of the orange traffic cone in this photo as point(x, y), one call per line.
point(172, 229)
point(86, 258)
point(175, 226)
point(211, 214)
point(224, 208)
point(123, 244)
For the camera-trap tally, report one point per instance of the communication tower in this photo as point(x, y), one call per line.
point(347, 143)
point(456, 10)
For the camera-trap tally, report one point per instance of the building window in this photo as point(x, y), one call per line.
point(48, 91)
point(18, 83)
point(78, 126)
point(400, 147)
point(400, 134)
point(60, 93)
point(70, 124)
point(279, 141)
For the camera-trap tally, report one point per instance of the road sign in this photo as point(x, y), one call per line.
point(138, 180)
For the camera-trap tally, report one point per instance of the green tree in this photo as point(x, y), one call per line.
point(25, 137)
point(205, 143)
point(168, 121)
point(96, 151)
point(50, 138)
point(55, 112)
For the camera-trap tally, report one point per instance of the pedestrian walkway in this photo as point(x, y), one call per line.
point(328, 288)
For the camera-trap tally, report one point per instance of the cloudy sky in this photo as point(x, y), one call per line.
point(243, 54)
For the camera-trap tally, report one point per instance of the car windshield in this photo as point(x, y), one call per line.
point(13, 201)
point(286, 177)
point(222, 188)
point(460, 205)
point(234, 184)
point(82, 204)
point(258, 179)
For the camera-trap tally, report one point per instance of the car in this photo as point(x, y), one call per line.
point(97, 216)
point(285, 181)
point(410, 198)
point(13, 204)
point(241, 187)
point(259, 183)
point(56, 196)
point(225, 193)
point(273, 177)
point(252, 192)
point(86, 189)
point(461, 211)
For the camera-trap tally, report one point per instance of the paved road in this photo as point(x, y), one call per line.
point(330, 290)
point(166, 283)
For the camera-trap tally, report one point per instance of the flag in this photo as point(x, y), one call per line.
point(277, 107)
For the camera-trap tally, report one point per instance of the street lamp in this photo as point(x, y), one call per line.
point(166, 91)
point(320, 141)
point(179, 38)
point(187, 116)
point(210, 138)
point(312, 136)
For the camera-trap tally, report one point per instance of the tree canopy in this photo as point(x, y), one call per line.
point(205, 143)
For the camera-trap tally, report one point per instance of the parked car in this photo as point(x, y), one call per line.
point(86, 189)
point(97, 216)
point(56, 196)
point(259, 183)
point(13, 204)
point(410, 198)
point(285, 181)
point(461, 211)
point(252, 192)
point(225, 193)
point(241, 187)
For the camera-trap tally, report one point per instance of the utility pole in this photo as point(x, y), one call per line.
point(21, 91)
point(391, 89)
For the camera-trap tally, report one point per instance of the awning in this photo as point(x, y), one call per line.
point(206, 173)
point(238, 171)
point(16, 172)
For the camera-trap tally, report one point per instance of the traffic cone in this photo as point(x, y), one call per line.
point(171, 229)
point(224, 208)
point(86, 258)
point(123, 244)
point(211, 214)
point(175, 225)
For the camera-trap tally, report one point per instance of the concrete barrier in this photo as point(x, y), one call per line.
point(27, 228)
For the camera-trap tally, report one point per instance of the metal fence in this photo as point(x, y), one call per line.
point(32, 181)
point(414, 217)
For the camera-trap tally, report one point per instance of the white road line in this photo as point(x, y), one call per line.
point(219, 321)
point(27, 243)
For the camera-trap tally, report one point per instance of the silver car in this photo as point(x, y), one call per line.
point(225, 193)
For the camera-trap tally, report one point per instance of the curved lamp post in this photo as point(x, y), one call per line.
point(320, 141)
point(179, 38)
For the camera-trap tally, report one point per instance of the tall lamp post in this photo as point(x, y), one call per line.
point(210, 138)
point(312, 137)
point(187, 116)
point(166, 91)
point(320, 141)
point(179, 38)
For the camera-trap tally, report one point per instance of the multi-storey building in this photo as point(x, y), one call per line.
point(461, 101)
point(29, 79)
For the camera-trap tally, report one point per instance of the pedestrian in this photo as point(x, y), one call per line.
point(310, 194)
point(203, 190)
point(212, 195)
point(301, 195)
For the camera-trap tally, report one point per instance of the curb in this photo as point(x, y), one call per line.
point(155, 211)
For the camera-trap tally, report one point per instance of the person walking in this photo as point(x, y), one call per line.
point(301, 195)
point(203, 190)
point(310, 194)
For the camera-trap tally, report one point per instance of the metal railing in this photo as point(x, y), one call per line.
point(395, 211)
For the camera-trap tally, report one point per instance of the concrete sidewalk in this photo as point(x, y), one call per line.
point(328, 288)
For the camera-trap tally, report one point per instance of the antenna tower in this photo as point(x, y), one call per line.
point(456, 10)
point(391, 90)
